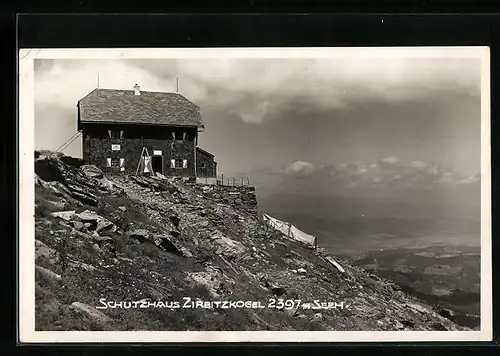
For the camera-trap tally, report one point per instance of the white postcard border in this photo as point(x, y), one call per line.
point(26, 291)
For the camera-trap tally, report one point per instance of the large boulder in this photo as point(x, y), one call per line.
point(227, 247)
point(52, 169)
point(92, 171)
point(98, 223)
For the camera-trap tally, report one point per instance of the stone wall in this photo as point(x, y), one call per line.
point(239, 196)
point(97, 148)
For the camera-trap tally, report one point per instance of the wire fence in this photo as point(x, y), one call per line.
point(224, 180)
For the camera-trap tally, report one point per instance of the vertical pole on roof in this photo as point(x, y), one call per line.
point(97, 80)
point(177, 80)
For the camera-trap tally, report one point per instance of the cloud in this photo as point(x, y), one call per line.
point(256, 90)
point(300, 168)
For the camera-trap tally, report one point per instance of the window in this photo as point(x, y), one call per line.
point(178, 163)
point(115, 163)
point(179, 135)
point(115, 134)
point(115, 147)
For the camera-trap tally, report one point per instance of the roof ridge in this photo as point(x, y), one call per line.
point(142, 91)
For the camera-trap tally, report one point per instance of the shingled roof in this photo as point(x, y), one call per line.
point(123, 106)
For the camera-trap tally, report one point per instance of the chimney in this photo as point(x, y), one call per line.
point(137, 90)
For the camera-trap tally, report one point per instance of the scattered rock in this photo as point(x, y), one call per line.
point(91, 312)
point(106, 184)
point(47, 274)
point(103, 239)
point(278, 291)
point(78, 225)
point(84, 266)
point(227, 246)
point(58, 204)
point(175, 220)
point(417, 308)
point(206, 280)
point(65, 215)
point(301, 271)
point(92, 171)
point(43, 252)
point(141, 235)
point(399, 325)
point(175, 233)
point(122, 208)
point(99, 223)
point(96, 248)
point(165, 243)
point(439, 327)
point(448, 313)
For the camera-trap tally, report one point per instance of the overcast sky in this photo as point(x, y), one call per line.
point(272, 112)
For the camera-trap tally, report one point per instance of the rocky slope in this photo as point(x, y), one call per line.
point(126, 253)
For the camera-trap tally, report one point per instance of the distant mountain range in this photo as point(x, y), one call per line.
point(389, 187)
point(387, 172)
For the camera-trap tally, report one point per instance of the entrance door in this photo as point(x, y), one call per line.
point(157, 164)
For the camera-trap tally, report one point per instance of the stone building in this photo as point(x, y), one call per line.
point(118, 126)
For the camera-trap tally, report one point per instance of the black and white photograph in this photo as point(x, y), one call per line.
point(293, 194)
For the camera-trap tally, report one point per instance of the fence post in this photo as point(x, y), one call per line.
point(222, 180)
point(248, 181)
point(242, 181)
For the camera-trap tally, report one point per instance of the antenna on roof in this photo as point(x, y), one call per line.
point(98, 80)
point(177, 78)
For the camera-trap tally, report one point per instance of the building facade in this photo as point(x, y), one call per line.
point(123, 128)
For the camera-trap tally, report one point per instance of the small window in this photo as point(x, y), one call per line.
point(115, 162)
point(179, 135)
point(115, 134)
point(178, 163)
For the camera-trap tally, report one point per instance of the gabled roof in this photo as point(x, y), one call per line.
point(205, 152)
point(123, 106)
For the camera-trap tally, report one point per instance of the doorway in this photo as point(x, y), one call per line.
point(157, 164)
